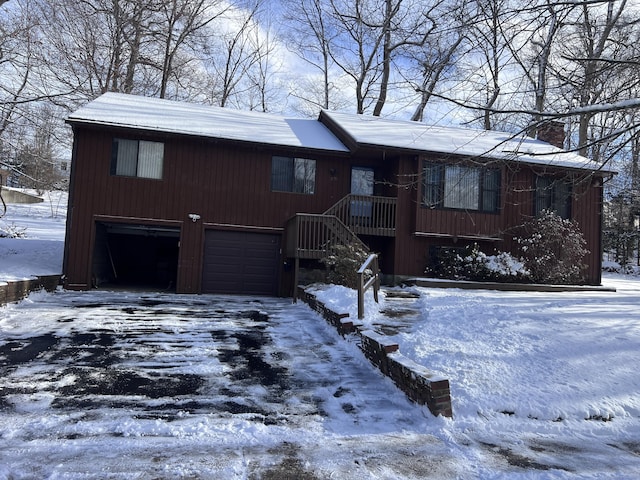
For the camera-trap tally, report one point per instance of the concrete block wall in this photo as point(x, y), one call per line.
point(15, 291)
point(415, 380)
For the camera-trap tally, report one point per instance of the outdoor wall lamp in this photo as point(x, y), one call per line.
point(194, 217)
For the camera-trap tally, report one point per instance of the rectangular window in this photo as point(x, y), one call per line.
point(553, 194)
point(461, 187)
point(137, 158)
point(296, 175)
point(491, 190)
point(432, 185)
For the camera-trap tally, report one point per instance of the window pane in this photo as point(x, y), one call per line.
point(150, 159)
point(362, 181)
point(305, 175)
point(461, 187)
point(491, 190)
point(431, 187)
point(562, 200)
point(296, 175)
point(281, 174)
point(554, 195)
point(544, 194)
point(127, 157)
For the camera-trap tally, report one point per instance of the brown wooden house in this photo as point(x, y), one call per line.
point(199, 199)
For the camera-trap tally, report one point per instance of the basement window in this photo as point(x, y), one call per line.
point(137, 158)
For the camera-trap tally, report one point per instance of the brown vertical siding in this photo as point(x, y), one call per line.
point(229, 184)
point(224, 184)
point(517, 207)
point(587, 208)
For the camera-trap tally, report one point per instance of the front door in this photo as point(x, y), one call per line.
point(361, 184)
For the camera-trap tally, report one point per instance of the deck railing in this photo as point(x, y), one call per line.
point(367, 215)
point(313, 236)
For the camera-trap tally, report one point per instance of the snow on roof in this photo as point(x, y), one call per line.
point(131, 111)
point(383, 133)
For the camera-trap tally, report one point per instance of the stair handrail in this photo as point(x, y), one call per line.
point(381, 214)
point(340, 233)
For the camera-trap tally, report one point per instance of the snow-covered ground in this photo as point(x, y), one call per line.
point(544, 385)
point(39, 249)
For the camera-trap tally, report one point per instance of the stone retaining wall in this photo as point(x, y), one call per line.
point(15, 291)
point(420, 385)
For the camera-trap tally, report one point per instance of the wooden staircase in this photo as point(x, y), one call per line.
point(314, 236)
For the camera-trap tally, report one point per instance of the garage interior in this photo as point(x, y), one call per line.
point(138, 256)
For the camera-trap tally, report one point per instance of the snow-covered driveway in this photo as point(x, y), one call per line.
point(117, 385)
point(124, 385)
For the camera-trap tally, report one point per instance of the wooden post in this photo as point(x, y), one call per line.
point(295, 279)
point(360, 294)
point(374, 282)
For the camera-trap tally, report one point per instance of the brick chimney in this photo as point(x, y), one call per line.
point(552, 132)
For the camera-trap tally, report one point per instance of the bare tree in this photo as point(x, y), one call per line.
point(371, 36)
point(177, 23)
point(262, 73)
point(19, 70)
point(356, 47)
point(35, 160)
point(93, 44)
point(533, 50)
point(234, 60)
point(309, 36)
point(437, 58)
point(598, 34)
point(405, 24)
point(492, 47)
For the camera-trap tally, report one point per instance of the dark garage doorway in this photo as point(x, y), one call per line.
point(241, 262)
point(140, 256)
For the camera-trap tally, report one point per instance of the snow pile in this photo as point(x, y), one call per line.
point(615, 267)
point(505, 264)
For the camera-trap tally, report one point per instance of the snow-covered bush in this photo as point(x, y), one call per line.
point(553, 249)
point(12, 231)
point(615, 267)
point(343, 263)
point(471, 263)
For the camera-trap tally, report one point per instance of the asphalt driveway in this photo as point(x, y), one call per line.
point(154, 356)
point(130, 385)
